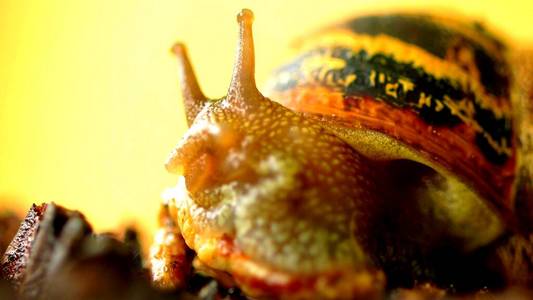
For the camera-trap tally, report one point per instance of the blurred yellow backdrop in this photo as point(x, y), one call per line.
point(89, 105)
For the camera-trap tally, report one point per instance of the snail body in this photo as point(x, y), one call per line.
point(387, 132)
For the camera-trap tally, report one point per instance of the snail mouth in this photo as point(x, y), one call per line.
point(210, 157)
point(260, 280)
point(213, 179)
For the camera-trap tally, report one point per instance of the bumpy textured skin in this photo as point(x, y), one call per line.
point(249, 174)
point(441, 86)
point(394, 136)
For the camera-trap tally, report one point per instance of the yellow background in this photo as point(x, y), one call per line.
point(89, 105)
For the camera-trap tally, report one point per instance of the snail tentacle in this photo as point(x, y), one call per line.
point(242, 90)
point(193, 97)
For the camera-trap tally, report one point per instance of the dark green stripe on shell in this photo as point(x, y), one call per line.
point(438, 40)
point(367, 68)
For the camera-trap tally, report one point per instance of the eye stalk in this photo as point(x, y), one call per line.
point(193, 98)
point(242, 91)
point(242, 88)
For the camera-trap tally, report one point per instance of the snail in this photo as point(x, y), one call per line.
point(389, 142)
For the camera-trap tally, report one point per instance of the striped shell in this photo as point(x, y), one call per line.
point(440, 86)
